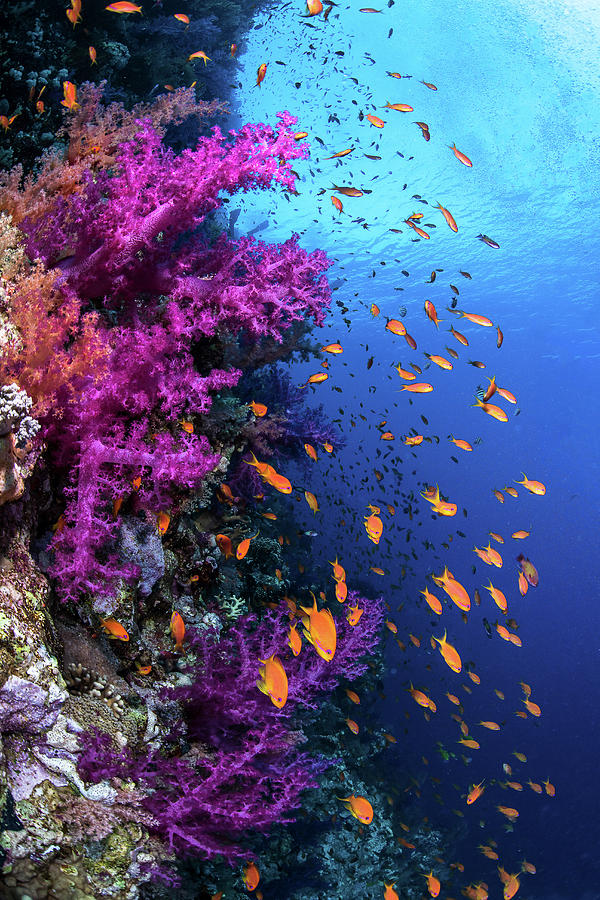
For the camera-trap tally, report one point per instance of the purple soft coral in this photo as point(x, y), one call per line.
point(244, 772)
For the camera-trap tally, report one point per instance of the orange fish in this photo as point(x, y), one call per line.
point(273, 681)
point(509, 812)
point(404, 373)
point(374, 309)
point(337, 203)
point(327, 447)
point(250, 876)
point(440, 361)
point(441, 507)
point(314, 7)
point(449, 653)
point(475, 792)
point(476, 318)
point(92, 52)
point(532, 708)
point(512, 492)
point(418, 696)
point(399, 107)
point(177, 626)
point(340, 153)
point(433, 884)
point(312, 502)
point(352, 725)
point(232, 49)
point(511, 884)
point(396, 327)
point(244, 546)
point(498, 597)
point(454, 589)
point(491, 726)
point(70, 98)
point(549, 788)
point(416, 228)
point(74, 14)
point(181, 17)
point(418, 388)
point(124, 6)
point(461, 156)
point(353, 615)
point(114, 630)
point(260, 73)
point(319, 630)
point(464, 445)
point(162, 521)
point(143, 670)
point(341, 591)
point(339, 573)
point(414, 440)
point(534, 487)
point(432, 313)
point(332, 348)
point(352, 695)
point(448, 217)
point(374, 527)
point(259, 409)
point(376, 121)
point(459, 337)
point(224, 544)
point(360, 808)
point(390, 893)
point(470, 743)
point(199, 54)
point(494, 411)
point(520, 535)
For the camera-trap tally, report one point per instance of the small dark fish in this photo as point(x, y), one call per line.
point(466, 274)
point(488, 240)
point(432, 278)
point(454, 288)
point(405, 273)
point(487, 627)
point(402, 312)
point(370, 362)
point(453, 303)
point(476, 363)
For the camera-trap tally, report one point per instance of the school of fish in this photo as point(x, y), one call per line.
point(515, 574)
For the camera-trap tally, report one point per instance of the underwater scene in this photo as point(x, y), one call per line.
point(299, 470)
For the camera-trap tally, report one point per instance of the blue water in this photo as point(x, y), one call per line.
point(518, 93)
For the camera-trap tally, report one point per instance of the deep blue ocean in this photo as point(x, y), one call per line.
point(517, 92)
